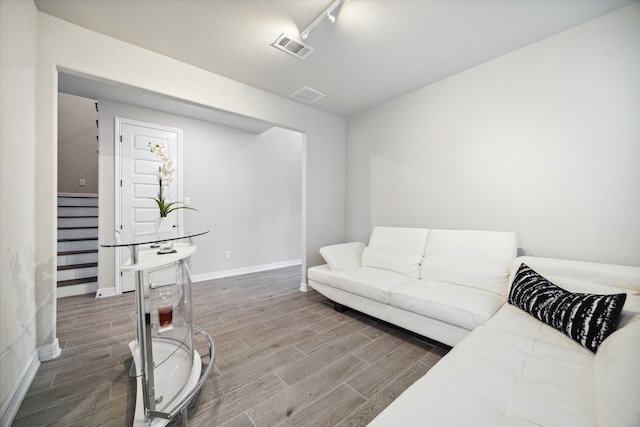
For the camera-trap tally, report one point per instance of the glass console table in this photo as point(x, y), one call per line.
point(167, 366)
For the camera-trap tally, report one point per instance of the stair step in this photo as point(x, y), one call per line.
point(77, 221)
point(77, 211)
point(74, 272)
point(77, 245)
point(80, 252)
point(70, 282)
point(73, 201)
point(78, 239)
point(77, 266)
point(79, 228)
point(78, 233)
point(71, 257)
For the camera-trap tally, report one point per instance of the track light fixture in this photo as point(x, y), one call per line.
point(329, 12)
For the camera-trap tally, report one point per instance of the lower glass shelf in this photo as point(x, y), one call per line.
point(177, 378)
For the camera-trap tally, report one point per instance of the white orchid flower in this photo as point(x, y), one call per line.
point(165, 174)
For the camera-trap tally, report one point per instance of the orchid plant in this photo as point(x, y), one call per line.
point(165, 174)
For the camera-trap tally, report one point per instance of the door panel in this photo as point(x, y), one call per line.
point(139, 183)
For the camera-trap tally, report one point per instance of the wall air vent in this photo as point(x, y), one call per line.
point(308, 95)
point(292, 46)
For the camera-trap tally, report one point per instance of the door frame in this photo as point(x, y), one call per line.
point(117, 140)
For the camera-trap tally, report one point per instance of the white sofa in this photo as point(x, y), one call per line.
point(507, 367)
point(517, 371)
point(439, 283)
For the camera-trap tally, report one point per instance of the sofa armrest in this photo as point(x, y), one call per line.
point(343, 255)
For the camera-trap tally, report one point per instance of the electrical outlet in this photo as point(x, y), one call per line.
point(227, 255)
point(83, 182)
point(187, 201)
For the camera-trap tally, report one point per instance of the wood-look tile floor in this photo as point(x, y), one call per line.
point(283, 357)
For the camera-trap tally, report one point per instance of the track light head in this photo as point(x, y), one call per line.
point(329, 13)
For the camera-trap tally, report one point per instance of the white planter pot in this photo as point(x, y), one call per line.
point(163, 224)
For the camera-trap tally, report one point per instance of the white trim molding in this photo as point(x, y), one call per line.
point(80, 289)
point(106, 292)
point(244, 270)
point(12, 403)
point(49, 351)
point(304, 287)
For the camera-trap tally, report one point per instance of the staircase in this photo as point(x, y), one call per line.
point(77, 245)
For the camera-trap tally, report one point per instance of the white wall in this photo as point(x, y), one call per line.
point(248, 192)
point(543, 141)
point(18, 271)
point(77, 144)
point(246, 187)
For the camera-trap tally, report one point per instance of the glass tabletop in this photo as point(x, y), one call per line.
point(131, 239)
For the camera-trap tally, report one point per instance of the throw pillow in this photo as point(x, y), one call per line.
point(586, 318)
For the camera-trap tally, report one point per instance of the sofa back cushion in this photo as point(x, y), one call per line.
point(478, 259)
point(396, 249)
point(617, 377)
point(587, 277)
point(343, 255)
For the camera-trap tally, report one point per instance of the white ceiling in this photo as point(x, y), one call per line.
point(377, 50)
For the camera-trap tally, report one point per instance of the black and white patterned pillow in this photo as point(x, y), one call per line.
point(586, 318)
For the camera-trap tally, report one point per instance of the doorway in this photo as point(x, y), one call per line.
point(77, 211)
point(208, 173)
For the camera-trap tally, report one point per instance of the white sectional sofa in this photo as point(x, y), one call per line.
point(438, 283)
point(507, 367)
point(518, 371)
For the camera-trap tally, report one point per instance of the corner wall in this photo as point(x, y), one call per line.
point(543, 141)
point(18, 271)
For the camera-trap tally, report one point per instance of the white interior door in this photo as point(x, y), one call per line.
point(137, 182)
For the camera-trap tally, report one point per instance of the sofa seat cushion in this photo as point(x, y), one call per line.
point(463, 306)
point(617, 376)
point(512, 371)
point(367, 282)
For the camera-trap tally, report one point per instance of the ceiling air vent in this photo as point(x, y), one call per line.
point(308, 95)
point(292, 46)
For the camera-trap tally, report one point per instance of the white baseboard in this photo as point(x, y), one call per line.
point(246, 270)
point(304, 287)
point(12, 403)
point(73, 290)
point(106, 292)
point(49, 351)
